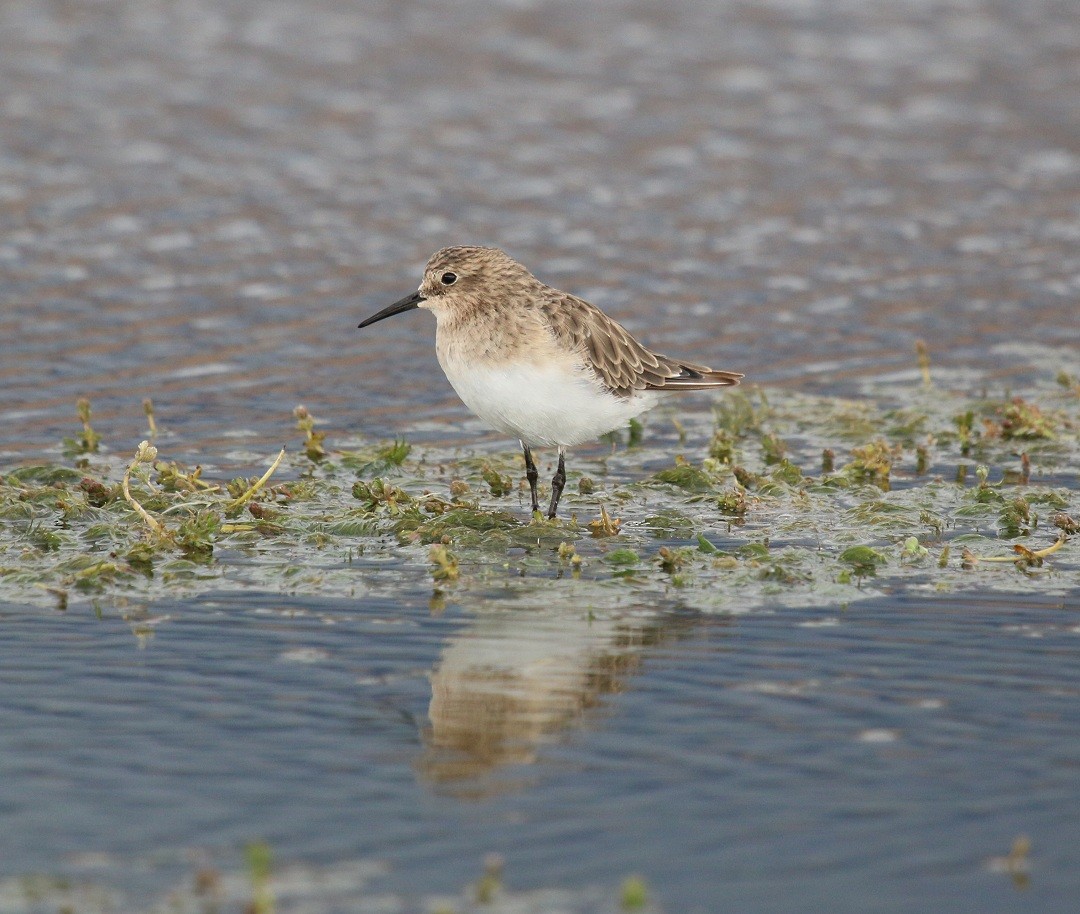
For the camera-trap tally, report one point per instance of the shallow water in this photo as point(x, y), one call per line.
point(200, 202)
point(760, 761)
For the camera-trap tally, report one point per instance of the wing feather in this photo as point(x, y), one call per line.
point(620, 361)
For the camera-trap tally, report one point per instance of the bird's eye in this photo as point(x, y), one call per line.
point(448, 279)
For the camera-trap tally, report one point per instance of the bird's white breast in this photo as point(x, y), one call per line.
point(543, 403)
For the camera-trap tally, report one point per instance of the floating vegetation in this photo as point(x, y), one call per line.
point(790, 500)
point(252, 880)
point(1025, 421)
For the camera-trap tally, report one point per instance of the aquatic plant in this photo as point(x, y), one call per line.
point(934, 493)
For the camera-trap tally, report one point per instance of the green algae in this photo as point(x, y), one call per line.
point(746, 513)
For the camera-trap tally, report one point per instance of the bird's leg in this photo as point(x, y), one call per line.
point(557, 483)
point(531, 474)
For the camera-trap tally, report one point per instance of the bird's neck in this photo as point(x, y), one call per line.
point(487, 333)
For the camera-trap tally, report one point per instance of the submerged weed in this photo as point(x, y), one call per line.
point(380, 495)
point(376, 461)
point(97, 493)
point(685, 476)
point(1026, 421)
point(722, 446)
point(773, 448)
point(872, 463)
point(736, 414)
point(498, 484)
point(444, 565)
point(733, 503)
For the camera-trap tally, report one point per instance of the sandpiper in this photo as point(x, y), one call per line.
point(536, 363)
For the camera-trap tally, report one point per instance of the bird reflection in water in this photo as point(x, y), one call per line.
point(515, 680)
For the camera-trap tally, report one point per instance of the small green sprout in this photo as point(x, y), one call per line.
point(146, 454)
point(259, 859)
point(1015, 518)
point(913, 551)
point(922, 459)
point(148, 409)
point(89, 440)
point(923, 353)
point(634, 894)
point(736, 414)
point(313, 440)
point(395, 453)
point(195, 534)
point(722, 446)
point(745, 478)
point(489, 885)
point(445, 570)
point(1068, 381)
point(965, 430)
point(773, 448)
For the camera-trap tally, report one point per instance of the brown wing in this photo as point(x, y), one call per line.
point(619, 360)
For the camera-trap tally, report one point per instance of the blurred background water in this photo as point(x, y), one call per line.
point(200, 200)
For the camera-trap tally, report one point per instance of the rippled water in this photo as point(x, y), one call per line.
point(201, 200)
point(198, 203)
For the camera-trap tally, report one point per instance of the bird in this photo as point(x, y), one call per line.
point(538, 364)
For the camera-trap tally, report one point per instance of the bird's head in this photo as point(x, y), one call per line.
point(459, 280)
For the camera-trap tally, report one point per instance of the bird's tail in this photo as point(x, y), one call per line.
point(688, 376)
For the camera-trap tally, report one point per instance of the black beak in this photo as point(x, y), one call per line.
point(398, 307)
